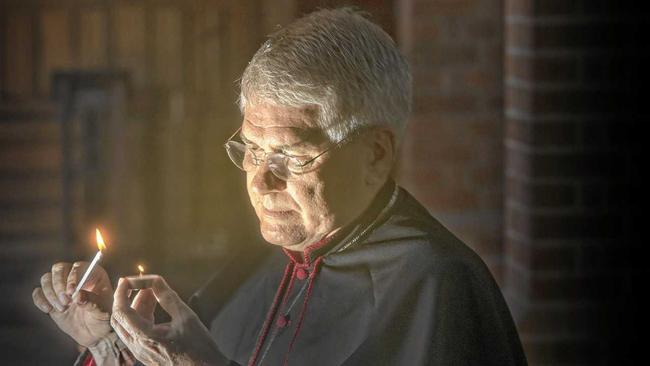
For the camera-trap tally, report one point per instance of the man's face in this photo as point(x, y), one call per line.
point(301, 210)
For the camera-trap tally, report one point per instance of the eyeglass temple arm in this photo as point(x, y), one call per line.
point(233, 135)
point(330, 148)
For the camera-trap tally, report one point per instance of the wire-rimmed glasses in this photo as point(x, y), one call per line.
point(281, 165)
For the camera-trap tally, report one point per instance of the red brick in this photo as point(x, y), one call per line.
point(443, 7)
point(542, 258)
point(541, 195)
point(541, 7)
point(543, 68)
point(517, 222)
point(518, 7)
point(426, 31)
point(29, 131)
point(555, 7)
point(516, 282)
point(30, 190)
point(559, 225)
point(479, 80)
point(574, 225)
point(443, 195)
point(566, 288)
point(484, 177)
point(453, 163)
point(43, 156)
point(452, 104)
point(542, 134)
point(518, 36)
point(430, 55)
point(517, 163)
point(553, 36)
point(424, 81)
point(482, 29)
point(485, 240)
point(570, 100)
point(578, 164)
point(30, 220)
point(518, 131)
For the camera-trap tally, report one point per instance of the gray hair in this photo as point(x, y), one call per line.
point(338, 61)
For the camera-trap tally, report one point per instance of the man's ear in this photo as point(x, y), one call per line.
point(381, 155)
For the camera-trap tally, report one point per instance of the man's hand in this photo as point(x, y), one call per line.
point(84, 318)
point(183, 341)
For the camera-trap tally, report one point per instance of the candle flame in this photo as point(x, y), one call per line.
point(100, 240)
point(140, 268)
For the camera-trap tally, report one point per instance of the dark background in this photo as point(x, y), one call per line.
point(525, 140)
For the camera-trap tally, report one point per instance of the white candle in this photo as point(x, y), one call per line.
point(98, 256)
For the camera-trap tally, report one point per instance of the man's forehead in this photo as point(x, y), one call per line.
point(268, 115)
point(288, 125)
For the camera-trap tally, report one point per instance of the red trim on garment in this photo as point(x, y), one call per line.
point(289, 288)
point(304, 258)
point(294, 256)
point(297, 259)
point(89, 360)
point(269, 316)
point(301, 317)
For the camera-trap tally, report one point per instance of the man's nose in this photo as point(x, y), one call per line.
point(264, 181)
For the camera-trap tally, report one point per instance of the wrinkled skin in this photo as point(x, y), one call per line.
point(333, 191)
point(182, 341)
point(84, 318)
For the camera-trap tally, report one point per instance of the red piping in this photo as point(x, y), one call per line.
point(312, 276)
point(305, 261)
point(270, 316)
point(289, 288)
point(306, 255)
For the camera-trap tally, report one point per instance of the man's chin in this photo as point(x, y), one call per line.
point(282, 235)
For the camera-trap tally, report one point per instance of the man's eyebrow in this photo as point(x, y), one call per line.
point(243, 138)
point(304, 141)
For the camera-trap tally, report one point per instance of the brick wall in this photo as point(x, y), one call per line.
point(452, 154)
point(571, 104)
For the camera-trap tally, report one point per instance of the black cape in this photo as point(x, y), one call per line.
point(394, 288)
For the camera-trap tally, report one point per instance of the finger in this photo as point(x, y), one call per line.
point(60, 273)
point(40, 301)
point(144, 304)
point(134, 324)
point(77, 271)
point(121, 295)
point(168, 298)
point(48, 291)
point(91, 302)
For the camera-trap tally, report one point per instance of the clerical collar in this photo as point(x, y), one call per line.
point(340, 240)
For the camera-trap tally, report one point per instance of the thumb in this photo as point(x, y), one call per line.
point(167, 298)
point(144, 303)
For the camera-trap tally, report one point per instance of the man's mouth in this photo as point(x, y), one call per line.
point(276, 214)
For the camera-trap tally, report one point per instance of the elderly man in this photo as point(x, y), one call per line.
point(363, 274)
